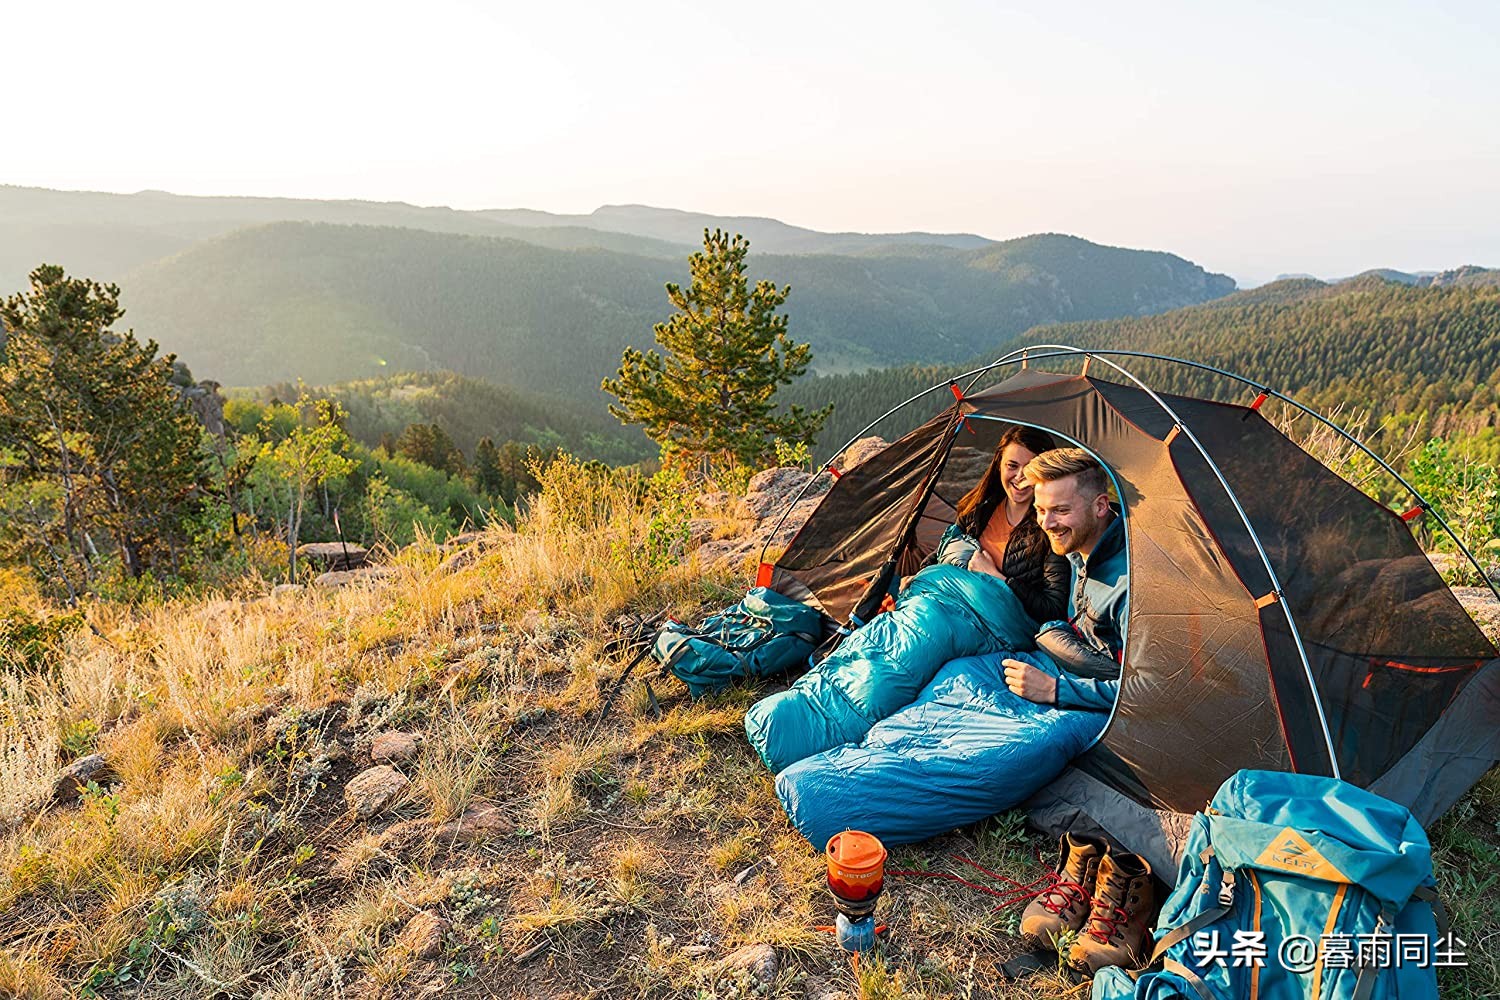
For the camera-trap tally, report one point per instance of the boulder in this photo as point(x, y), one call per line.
point(422, 937)
point(73, 779)
point(333, 555)
point(372, 789)
point(343, 578)
point(395, 748)
point(480, 822)
point(861, 450)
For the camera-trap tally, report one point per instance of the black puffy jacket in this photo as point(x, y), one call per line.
point(1037, 575)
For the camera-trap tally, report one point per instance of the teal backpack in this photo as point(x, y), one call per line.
point(763, 635)
point(1296, 887)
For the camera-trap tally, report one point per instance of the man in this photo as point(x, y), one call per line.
point(1072, 505)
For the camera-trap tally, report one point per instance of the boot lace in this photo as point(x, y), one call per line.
point(1061, 894)
point(1107, 920)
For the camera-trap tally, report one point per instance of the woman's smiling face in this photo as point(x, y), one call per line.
point(1012, 460)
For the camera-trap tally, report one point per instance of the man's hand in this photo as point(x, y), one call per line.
point(1030, 682)
point(980, 562)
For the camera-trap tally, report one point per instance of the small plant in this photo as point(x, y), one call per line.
point(78, 738)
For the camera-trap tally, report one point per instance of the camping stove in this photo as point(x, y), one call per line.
point(856, 876)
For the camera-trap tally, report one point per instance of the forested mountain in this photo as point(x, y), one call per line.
point(470, 409)
point(331, 303)
point(104, 235)
point(1430, 353)
point(766, 235)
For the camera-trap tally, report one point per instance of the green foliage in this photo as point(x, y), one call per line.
point(711, 395)
point(395, 517)
point(1467, 495)
point(302, 448)
point(100, 451)
point(669, 497)
point(430, 445)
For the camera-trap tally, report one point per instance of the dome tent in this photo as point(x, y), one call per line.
point(1280, 619)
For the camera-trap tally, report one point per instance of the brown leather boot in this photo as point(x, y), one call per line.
point(1064, 903)
point(1124, 902)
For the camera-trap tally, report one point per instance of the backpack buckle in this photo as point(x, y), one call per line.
point(1226, 891)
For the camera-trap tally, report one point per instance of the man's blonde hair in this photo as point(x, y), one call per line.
point(1060, 463)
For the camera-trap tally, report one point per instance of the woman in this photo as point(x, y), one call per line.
point(996, 534)
point(994, 580)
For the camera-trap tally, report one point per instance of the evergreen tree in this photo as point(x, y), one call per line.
point(487, 473)
point(431, 445)
point(95, 413)
point(712, 394)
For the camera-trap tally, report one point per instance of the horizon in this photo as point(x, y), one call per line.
point(566, 219)
point(1278, 140)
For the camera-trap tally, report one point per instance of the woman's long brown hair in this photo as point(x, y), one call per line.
point(977, 505)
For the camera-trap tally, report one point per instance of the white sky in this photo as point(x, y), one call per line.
point(1255, 139)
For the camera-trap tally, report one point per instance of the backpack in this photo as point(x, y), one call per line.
point(764, 634)
point(1283, 862)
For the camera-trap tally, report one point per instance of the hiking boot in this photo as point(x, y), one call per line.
point(1063, 904)
point(1115, 932)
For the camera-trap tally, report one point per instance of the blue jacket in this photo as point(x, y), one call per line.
point(1097, 606)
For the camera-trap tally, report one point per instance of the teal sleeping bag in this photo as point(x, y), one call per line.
point(967, 748)
point(942, 614)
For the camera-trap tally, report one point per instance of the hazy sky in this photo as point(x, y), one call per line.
point(1254, 138)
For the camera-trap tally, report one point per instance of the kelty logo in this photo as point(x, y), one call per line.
point(1289, 851)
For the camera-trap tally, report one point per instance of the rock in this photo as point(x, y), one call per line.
point(282, 589)
point(713, 501)
point(73, 779)
point(372, 789)
point(395, 748)
point(466, 539)
point(342, 578)
point(860, 451)
point(333, 555)
point(777, 482)
point(757, 959)
point(480, 822)
point(697, 950)
point(701, 529)
point(422, 937)
point(822, 989)
point(1482, 606)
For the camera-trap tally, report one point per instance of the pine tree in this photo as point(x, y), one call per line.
point(96, 414)
point(712, 394)
point(488, 475)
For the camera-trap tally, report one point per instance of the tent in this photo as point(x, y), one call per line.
point(1279, 617)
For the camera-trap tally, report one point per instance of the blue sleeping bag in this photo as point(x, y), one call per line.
point(967, 748)
point(942, 614)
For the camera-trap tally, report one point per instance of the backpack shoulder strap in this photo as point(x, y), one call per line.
point(1184, 931)
point(1190, 977)
point(1429, 895)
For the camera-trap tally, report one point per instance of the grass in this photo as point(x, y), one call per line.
point(221, 861)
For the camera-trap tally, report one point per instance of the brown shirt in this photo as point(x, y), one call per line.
point(996, 534)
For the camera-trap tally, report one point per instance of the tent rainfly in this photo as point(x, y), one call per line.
point(1279, 617)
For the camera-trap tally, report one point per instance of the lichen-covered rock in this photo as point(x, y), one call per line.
point(395, 748)
point(757, 959)
point(343, 578)
point(422, 937)
point(860, 451)
point(372, 789)
point(74, 778)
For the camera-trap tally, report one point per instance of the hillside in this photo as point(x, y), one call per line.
point(470, 409)
point(403, 788)
point(105, 236)
point(1430, 351)
point(767, 235)
point(330, 303)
